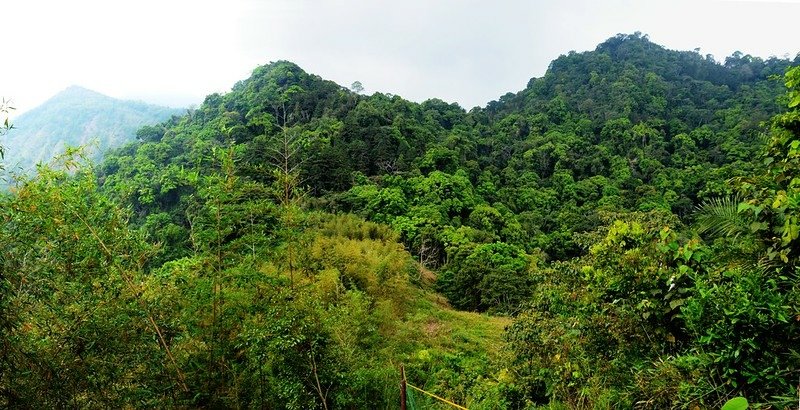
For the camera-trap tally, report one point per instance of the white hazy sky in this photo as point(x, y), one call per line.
point(174, 52)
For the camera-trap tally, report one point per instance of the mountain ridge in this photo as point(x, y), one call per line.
point(77, 116)
point(624, 112)
point(570, 205)
point(615, 235)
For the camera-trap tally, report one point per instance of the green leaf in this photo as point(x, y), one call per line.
point(687, 254)
point(675, 303)
point(736, 403)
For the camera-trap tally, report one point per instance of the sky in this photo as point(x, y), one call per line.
point(175, 52)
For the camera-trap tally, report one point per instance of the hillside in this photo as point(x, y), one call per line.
point(623, 232)
point(600, 132)
point(77, 117)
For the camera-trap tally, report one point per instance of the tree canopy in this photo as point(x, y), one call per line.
point(616, 234)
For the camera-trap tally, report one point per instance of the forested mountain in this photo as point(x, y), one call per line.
point(77, 117)
point(623, 232)
point(625, 127)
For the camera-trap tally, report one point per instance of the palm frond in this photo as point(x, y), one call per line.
point(720, 217)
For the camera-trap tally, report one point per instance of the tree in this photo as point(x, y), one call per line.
point(769, 210)
point(491, 276)
point(357, 87)
point(74, 314)
point(150, 133)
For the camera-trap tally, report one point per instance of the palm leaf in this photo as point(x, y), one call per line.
point(720, 217)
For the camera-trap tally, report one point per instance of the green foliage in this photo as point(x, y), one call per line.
point(73, 325)
point(5, 127)
point(772, 196)
point(698, 322)
point(222, 261)
point(491, 276)
point(721, 217)
point(736, 403)
point(94, 317)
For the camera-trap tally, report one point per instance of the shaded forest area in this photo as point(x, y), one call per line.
point(621, 233)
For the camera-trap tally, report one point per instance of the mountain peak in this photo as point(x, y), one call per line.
point(76, 88)
point(77, 116)
point(77, 91)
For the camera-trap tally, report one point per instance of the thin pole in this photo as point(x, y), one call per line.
point(402, 388)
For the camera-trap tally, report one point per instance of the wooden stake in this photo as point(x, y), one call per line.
point(402, 388)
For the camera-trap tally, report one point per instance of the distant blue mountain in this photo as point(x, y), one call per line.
point(76, 117)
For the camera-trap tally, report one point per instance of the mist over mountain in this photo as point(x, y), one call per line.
point(77, 117)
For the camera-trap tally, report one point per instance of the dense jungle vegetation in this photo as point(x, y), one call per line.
point(621, 233)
